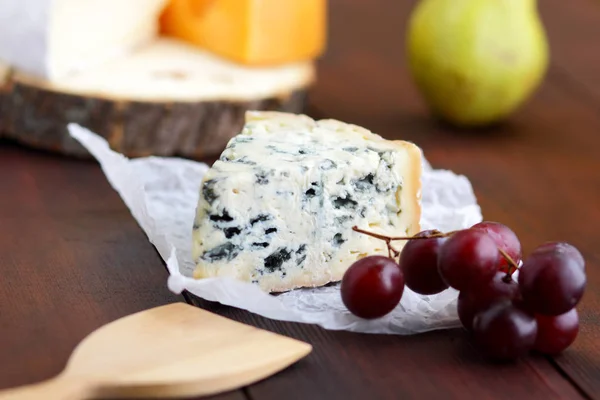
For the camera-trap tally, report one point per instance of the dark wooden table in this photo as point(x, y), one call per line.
point(72, 258)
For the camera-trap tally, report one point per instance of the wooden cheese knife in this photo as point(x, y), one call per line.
point(175, 350)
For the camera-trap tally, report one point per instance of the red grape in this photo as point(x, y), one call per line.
point(505, 239)
point(418, 261)
point(522, 305)
point(477, 299)
point(503, 332)
point(556, 333)
point(564, 248)
point(551, 280)
point(467, 259)
point(372, 287)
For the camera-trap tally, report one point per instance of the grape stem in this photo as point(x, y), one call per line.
point(512, 265)
point(394, 238)
point(390, 247)
point(388, 239)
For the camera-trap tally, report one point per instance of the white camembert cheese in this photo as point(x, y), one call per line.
point(53, 38)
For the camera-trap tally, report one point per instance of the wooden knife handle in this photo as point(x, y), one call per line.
point(61, 387)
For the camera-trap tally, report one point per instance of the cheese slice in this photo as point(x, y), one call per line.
point(170, 70)
point(53, 38)
point(256, 32)
point(277, 208)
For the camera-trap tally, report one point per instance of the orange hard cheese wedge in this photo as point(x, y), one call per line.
point(255, 32)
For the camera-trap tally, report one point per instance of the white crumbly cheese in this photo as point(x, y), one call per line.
point(170, 70)
point(53, 38)
point(277, 208)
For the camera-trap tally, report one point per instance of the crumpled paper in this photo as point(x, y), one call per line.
point(162, 195)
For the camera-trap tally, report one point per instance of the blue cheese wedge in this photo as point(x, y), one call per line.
point(278, 207)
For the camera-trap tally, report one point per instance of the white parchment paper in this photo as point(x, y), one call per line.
point(162, 194)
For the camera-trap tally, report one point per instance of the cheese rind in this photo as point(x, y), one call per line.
point(66, 36)
point(277, 208)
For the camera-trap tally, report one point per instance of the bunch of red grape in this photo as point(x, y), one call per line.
point(507, 317)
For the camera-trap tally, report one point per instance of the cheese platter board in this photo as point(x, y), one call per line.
point(170, 77)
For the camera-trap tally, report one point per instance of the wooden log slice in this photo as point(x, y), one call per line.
point(148, 121)
point(4, 88)
point(39, 117)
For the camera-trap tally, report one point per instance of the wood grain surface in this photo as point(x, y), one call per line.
point(72, 258)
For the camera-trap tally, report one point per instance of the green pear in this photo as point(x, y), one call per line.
point(476, 61)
